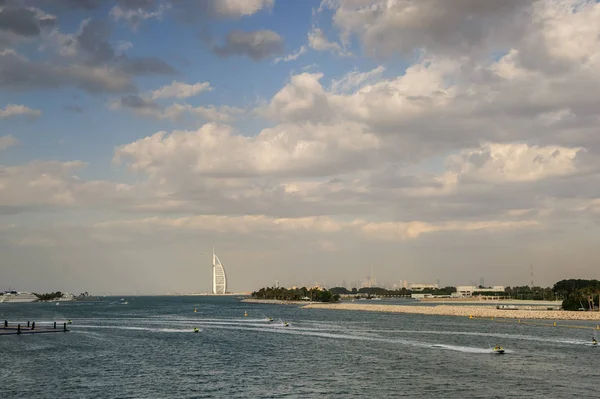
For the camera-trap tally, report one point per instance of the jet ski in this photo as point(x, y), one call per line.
point(594, 342)
point(285, 324)
point(270, 319)
point(196, 329)
point(498, 350)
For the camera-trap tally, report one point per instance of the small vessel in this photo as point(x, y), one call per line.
point(196, 329)
point(69, 321)
point(245, 314)
point(124, 303)
point(270, 319)
point(498, 350)
point(594, 342)
point(285, 324)
point(57, 303)
point(194, 310)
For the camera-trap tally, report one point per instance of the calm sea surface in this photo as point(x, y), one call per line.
point(147, 349)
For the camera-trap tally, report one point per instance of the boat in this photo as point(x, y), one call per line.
point(285, 324)
point(498, 350)
point(15, 296)
point(594, 342)
point(196, 329)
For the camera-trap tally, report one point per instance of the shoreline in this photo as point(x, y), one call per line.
point(276, 302)
point(463, 311)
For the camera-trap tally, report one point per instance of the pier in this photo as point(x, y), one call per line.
point(31, 328)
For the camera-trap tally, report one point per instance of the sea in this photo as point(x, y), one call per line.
point(146, 347)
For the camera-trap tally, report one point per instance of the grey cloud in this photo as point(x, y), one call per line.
point(257, 45)
point(19, 73)
point(137, 102)
point(95, 67)
point(136, 4)
point(462, 26)
point(19, 21)
point(94, 42)
point(147, 66)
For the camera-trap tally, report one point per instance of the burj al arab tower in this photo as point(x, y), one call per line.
point(219, 278)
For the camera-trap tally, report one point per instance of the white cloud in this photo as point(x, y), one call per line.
point(317, 41)
point(7, 141)
point(354, 80)
point(293, 56)
point(496, 163)
point(216, 150)
point(19, 110)
point(181, 90)
point(240, 8)
point(135, 16)
point(253, 224)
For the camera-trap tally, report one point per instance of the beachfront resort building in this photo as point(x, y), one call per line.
point(466, 291)
point(219, 277)
point(421, 287)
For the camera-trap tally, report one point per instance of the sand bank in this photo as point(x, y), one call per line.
point(465, 311)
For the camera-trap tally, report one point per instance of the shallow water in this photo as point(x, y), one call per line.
point(147, 349)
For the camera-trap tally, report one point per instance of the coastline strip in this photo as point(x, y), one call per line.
point(464, 311)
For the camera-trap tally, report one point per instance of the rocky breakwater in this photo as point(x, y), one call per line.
point(465, 311)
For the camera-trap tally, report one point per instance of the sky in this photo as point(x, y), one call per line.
point(308, 141)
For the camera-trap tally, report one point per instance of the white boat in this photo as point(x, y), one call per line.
point(15, 296)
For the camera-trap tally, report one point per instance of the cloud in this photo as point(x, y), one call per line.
point(192, 10)
point(354, 80)
point(7, 141)
point(20, 73)
point(253, 224)
point(293, 56)
point(256, 45)
point(145, 106)
point(317, 41)
point(181, 90)
point(135, 12)
point(47, 185)
point(89, 62)
point(19, 110)
point(442, 27)
point(139, 105)
point(25, 22)
point(214, 150)
point(496, 163)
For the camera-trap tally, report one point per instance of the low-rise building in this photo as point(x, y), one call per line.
point(421, 287)
point(468, 290)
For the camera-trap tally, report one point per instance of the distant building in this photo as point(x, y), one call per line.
point(421, 287)
point(219, 277)
point(468, 290)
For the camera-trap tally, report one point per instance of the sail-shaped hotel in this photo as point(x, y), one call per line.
point(219, 277)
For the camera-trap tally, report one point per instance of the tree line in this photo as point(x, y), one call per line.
point(296, 294)
point(49, 296)
point(578, 294)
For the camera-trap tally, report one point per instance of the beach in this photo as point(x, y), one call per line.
point(464, 311)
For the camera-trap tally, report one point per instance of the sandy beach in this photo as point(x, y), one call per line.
point(465, 311)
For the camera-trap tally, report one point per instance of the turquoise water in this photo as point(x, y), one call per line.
point(147, 349)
